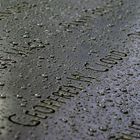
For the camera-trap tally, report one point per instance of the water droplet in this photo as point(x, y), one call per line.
point(40, 57)
point(19, 96)
point(44, 75)
point(37, 95)
point(23, 87)
point(26, 36)
point(64, 120)
point(92, 130)
point(52, 56)
point(2, 84)
point(40, 24)
point(103, 128)
point(23, 104)
point(2, 96)
point(58, 78)
point(14, 43)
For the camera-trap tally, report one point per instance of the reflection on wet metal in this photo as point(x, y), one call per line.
point(44, 108)
point(69, 72)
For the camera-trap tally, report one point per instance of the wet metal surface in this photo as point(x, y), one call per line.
point(69, 70)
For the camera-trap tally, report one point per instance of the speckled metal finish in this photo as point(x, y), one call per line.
point(69, 69)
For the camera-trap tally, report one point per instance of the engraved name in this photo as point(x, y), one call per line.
point(51, 104)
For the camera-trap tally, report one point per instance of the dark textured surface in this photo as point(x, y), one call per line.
point(83, 54)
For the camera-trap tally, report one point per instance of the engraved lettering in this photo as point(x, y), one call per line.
point(44, 109)
point(11, 10)
point(108, 60)
point(40, 115)
point(62, 94)
point(56, 99)
point(81, 78)
point(118, 53)
point(51, 103)
point(32, 123)
point(132, 135)
point(59, 100)
point(69, 89)
point(97, 70)
point(108, 66)
point(4, 15)
point(115, 57)
point(74, 87)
